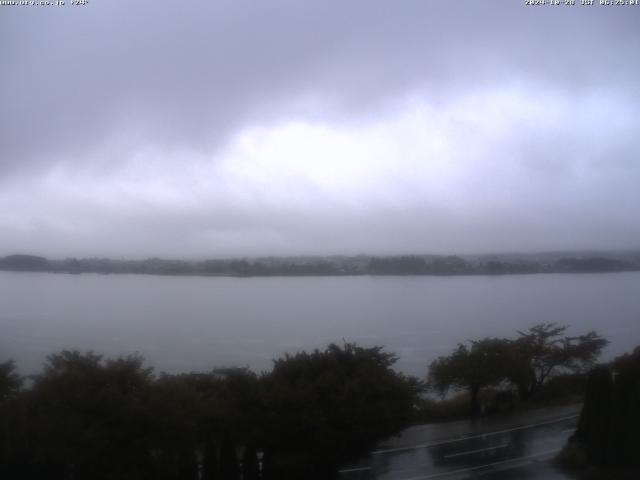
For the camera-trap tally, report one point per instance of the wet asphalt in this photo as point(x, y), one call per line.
point(502, 448)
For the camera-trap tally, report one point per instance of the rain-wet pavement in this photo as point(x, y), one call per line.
point(517, 446)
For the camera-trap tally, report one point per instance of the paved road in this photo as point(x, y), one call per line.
point(510, 450)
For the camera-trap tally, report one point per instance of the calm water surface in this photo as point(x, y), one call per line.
point(195, 323)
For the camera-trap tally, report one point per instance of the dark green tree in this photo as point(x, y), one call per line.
point(480, 365)
point(544, 350)
point(11, 418)
point(607, 432)
point(328, 406)
point(10, 381)
point(205, 419)
point(88, 418)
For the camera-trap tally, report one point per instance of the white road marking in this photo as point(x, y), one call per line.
point(478, 450)
point(461, 439)
point(356, 469)
point(492, 464)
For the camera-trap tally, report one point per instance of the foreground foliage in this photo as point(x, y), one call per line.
point(88, 417)
point(607, 432)
point(526, 363)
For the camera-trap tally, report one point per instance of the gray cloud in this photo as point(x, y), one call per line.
point(141, 129)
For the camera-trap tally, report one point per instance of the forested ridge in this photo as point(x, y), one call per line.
point(337, 265)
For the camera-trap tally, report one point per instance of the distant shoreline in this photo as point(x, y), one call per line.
point(336, 266)
point(319, 275)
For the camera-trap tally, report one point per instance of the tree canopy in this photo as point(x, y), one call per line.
point(337, 402)
point(90, 417)
point(544, 350)
point(482, 364)
point(526, 362)
point(10, 381)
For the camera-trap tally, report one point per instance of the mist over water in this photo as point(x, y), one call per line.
point(182, 324)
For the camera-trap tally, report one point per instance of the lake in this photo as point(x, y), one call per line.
point(182, 324)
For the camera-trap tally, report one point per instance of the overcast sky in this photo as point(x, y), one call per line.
point(233, 128)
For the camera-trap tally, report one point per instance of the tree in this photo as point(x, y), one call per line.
point(10, 381)
point(10, 417)
point(88, 418)
point(543, 351)
point(471, 368)
point(609, 422)
point(328, 406)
